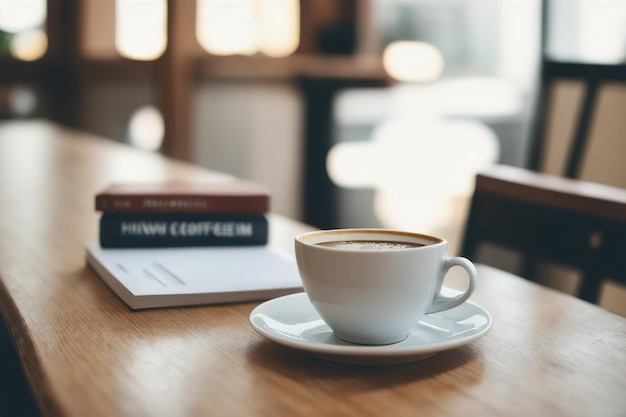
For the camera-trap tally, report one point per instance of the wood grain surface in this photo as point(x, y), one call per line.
point(86, 354)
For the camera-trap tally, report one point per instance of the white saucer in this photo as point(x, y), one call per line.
point(292, 321)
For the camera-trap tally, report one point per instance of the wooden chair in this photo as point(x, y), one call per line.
point(547, 217)
point(561, 218)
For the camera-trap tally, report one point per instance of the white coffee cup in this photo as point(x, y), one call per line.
point(374, 294)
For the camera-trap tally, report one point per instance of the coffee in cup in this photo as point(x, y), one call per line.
point(371, 286)
point(370, 244)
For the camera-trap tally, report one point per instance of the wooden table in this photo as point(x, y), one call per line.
point(84, 353)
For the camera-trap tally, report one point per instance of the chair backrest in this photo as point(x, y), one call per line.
point(544, 217)
point(597, 81)
point(547, 213)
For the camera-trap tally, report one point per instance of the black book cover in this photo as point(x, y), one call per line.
point(158, 230)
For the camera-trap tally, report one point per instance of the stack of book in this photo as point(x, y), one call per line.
point(161, 215)
point(175, 244)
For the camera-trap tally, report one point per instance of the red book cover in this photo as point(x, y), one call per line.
point(234, 196)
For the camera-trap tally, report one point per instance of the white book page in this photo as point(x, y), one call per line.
point(170, 271)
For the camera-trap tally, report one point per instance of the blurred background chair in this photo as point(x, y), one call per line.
point(575, 223)
point(559, 209)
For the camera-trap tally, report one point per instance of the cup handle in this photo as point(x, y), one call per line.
point(441, 302)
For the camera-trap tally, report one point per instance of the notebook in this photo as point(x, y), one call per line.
point(168, 277)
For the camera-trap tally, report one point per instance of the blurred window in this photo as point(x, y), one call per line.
point(141, 28)
point(587, 31)
point(247, 27)
point(478, 38)
point(22, 29)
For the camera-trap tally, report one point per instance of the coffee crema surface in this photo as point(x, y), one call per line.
point(369, 244)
